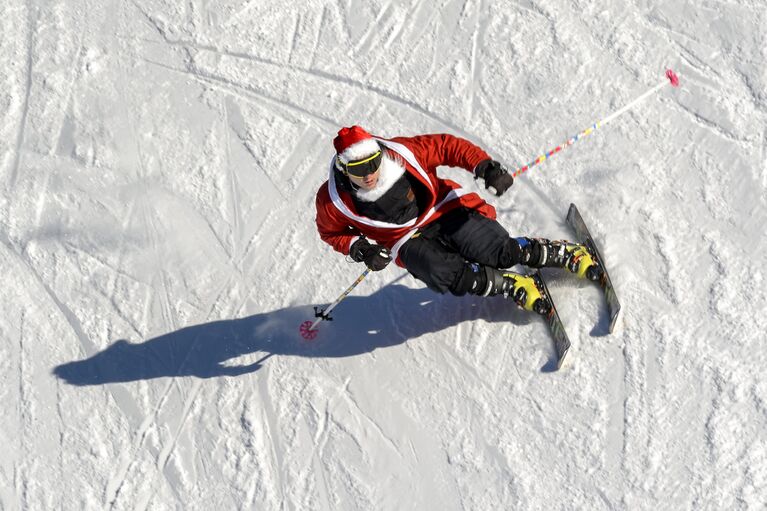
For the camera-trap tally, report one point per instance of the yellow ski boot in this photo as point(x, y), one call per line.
point(581, 263)
point(521, 288)
point(574, 257)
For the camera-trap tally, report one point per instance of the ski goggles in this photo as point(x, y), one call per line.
point(364, 167)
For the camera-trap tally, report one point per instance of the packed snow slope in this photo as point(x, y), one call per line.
point(158, 164)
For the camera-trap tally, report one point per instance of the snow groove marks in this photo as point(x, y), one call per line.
point(406, 42)
point(253, 449)
point(14, 81)
point(671, 275)
point(321, 96)
point(473, 71)
point(722, 98)
point(304, 163)
point(56, 54)
point(226, 68)
point(41, 444)
point(126, 482)
point(13, 424)
point(287, 263)
point(613, 412)
point(171, 421)
point(350, 443)
point(233, 212)
point(762, 165)
point(416, 41)
point(223, 456)
point(273, 448)
point(262, 133)
point(638, 455)
point(463, 78)
point(136, 477)
point(120, 479)
point(735, 432)
point(294, 446)
point(31, 25)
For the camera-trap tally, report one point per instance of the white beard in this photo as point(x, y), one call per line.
point(391, 170)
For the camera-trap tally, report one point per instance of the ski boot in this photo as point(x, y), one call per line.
point(521, 288)
point(574, 257)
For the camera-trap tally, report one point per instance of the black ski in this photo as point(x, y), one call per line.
point(558, 333)
point(575, 220)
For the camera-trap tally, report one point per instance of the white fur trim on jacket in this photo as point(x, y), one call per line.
point(408, 155)
point(391, 171)
point(361, 149)
point(340, 206)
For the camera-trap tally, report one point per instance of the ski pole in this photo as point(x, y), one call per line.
point(670, 77)
point(307, 328)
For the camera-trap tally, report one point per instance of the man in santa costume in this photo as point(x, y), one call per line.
point(383, 201)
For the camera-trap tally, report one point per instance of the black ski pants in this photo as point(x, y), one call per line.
point(445, 253)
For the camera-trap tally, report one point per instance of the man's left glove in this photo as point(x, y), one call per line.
point(495, 175)
point(375, 257)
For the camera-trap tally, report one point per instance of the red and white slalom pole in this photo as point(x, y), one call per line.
point(671, 78)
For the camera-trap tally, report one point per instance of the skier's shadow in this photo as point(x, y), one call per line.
point(386, 318)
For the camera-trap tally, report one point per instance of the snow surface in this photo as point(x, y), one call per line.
point(159, 162)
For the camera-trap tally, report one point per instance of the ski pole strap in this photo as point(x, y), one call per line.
point(671, 78)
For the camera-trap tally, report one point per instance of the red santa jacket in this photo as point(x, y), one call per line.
point(340, 225)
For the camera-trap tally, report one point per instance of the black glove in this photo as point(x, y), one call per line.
point(375, 257)
point(495, 175)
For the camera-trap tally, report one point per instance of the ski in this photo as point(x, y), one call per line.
point(575, 220)
point(557, 329)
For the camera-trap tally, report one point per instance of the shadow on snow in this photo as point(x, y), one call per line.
point(386, 318)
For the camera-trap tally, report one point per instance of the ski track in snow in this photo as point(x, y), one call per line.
point(27, 90)
point(159, 168)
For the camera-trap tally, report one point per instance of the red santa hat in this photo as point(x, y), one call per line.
point(353, 144)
